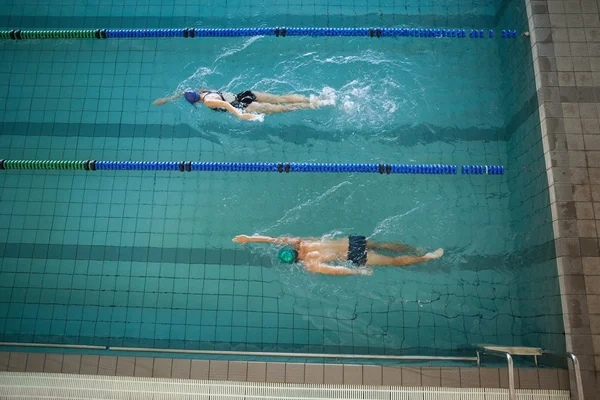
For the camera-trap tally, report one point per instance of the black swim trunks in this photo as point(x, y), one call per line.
point(357, 250)
point(244, 99)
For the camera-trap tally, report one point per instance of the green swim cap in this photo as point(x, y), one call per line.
point(287, 256)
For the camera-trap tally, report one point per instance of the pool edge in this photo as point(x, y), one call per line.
point(568, 108)
point(284, 372)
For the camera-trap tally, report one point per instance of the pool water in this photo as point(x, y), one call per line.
point(146, 259)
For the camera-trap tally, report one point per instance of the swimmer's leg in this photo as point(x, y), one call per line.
point(275, 99)
point(378, 260)
point(266, 108)
point(395, 247)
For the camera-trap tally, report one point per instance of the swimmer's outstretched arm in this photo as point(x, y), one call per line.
point(164, 100)
point(283, 240)
point(223, 104)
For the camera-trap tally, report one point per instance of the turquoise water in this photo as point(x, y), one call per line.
point(146, 259)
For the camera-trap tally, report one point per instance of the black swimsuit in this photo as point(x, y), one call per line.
point(242, 100)
point(357, 250)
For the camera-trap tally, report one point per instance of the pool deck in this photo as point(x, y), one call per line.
point(565, 40)
point(470, 377)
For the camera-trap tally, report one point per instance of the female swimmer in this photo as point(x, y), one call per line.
point(248, 105)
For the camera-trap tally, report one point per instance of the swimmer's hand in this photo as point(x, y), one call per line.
point(241, 239)
point(255, 117)
point(364, 271)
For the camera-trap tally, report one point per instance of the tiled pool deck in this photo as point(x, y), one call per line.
point(525, 378)
point(565, 40)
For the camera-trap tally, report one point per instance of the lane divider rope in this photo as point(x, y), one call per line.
point(22, 34)
point(280, 167)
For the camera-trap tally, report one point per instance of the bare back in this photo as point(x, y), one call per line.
point(328, 250)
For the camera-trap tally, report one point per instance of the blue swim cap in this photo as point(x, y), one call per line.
point(287, 256)
point(191, 96)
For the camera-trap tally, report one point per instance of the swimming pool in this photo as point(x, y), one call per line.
point(145, 259)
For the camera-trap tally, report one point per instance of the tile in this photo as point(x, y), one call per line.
point(489, 377)
point(592, 284)
point(431, 376)
point(450, 377)
point(89, 365)
point(583, 79)
point(469, 378)
point(53, 363)
point(294, 372)
point(257, 372)
point(143, 366)
point(573, 125)
point(181, 368)
point(548, 379)
point(17, 362)
point(314, 373)
point(593, 302)
point(333, 374)
point(594, 174)
point(4, 358)
point(162, 367)
point(556, 7)
point(547, 64)
point(558, 20)
point(579, 192)
point(566, 78)
point(275, 372)
point(581, 64)
point(125, 366)
point(199, 369)
point(590, 388)
point(563, 379)
point(504, 377)
point(593, 157)
point(411, 376)
point(589, 247)
point(577, 159)
point(218, 370)
point(591, 265)
point(565, 64)
point(528, 378)
point(392, 376)
point(588, 110)
point(372, 375)
point(35, 362)
point(107, 365)
point(579, 344)
point(353, 374)
point(570, 110)
point(595, 190)
point(569, 266)
point(563, 50)
point(579, 176)
point(572, 284)
point(586, 228)
point(70, 364)
point(584, 210)
point(238, 371)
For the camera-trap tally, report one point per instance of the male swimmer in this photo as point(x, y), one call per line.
point(243, 103)
point(315, 253)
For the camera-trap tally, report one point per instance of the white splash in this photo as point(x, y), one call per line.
point(294, 213)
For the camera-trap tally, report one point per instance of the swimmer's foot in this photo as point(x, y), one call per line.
point(317, 102)
point(434, 254)
point(327, 97)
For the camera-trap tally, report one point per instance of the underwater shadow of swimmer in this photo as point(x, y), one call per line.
point(192, 132)
point(406, 135)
